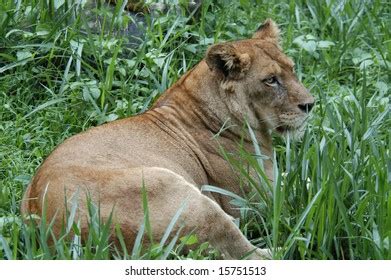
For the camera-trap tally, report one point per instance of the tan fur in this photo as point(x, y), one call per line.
point(171, 149)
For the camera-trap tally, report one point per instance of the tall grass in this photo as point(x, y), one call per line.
point(64, 68)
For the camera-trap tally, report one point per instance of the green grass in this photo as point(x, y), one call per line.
point(332, 196)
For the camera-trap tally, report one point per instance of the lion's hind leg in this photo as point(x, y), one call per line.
point(120, 196)
point(199, 214)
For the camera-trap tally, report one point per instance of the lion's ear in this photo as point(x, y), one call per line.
point(268, 31)
point(227, 60)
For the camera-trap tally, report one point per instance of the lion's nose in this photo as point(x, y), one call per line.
point(306, 107)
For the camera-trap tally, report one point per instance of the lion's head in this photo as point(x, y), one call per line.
point(258, 82)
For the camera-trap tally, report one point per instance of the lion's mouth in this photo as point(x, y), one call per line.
point(285, 129)
point(282, 129)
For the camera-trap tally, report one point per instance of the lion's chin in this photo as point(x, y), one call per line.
point(295, 133)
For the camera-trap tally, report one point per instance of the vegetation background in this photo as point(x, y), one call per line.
point(65, 67)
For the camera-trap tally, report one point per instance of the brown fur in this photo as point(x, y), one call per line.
point(172, 149)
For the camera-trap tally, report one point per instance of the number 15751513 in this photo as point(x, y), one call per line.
point(246, 270)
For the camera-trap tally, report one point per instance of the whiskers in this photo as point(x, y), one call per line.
point(292, 128)
point(270, 121)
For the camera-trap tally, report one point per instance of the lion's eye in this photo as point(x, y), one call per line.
point(272, 81)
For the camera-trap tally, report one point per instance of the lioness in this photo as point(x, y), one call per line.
point(172, 151)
